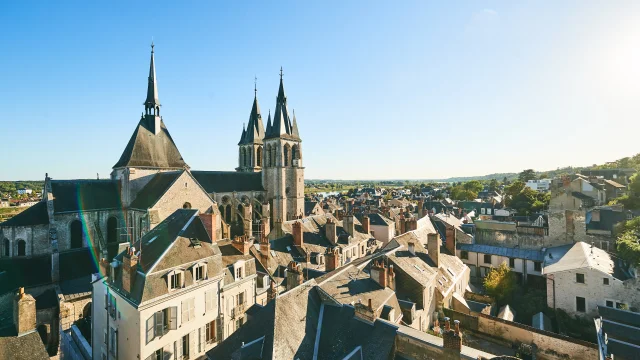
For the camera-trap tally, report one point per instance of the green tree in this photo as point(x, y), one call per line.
point(473, 186)
point(493, 185)
point(632, 199)
point(629, 248)
point(500, 283)
point(527, 175)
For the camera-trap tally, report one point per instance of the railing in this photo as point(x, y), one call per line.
point(238, 310)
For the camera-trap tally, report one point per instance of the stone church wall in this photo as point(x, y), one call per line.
point(89, 220)
point(36, 239)
point(184, 190)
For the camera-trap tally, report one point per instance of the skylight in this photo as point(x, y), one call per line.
point(152, 239)
point(451, 272)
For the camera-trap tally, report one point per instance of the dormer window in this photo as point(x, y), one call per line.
point(239, 273)
point(200, 272)
point(175, 280)
point(238, 269)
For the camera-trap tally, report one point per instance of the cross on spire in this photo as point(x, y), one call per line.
point(255, 85)
point(281, 73)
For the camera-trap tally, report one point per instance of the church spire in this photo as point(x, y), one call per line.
point(282, 126)
point(255, 127)
point(152, 104)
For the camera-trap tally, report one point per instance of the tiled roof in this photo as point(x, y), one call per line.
point(579, 256)
point(34, 215)
point(518, 253)
point(85, 195)
point(148, 150)
point(377, 219)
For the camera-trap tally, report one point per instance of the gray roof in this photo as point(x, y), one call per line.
point(148, 150)
point(377, 219)
point(228, 181)
point(580, 256)
point(85, 195)
point(622, 329)
point(255, 129)
point(282, 126)
point(26, 347)
point(152, 87)
point(518, 253)
point(34, 215)
point(154, 189)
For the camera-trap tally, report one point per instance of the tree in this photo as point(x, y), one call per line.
point(527, 175)
point(629, 248)
point(460, 193)
point(493, 185)
point(505, 181)
point(473, 186)
point(515, 188)
point(500, 283)
point(632, 199)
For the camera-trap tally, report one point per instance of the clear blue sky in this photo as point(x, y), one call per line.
point(381, 89)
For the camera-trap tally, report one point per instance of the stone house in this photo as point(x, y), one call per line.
point(382, 228)
point(581, 277)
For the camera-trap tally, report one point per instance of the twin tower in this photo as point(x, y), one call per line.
point(277, 153)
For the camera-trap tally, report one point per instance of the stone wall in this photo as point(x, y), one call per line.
point(89, 220)
point(184, 189)
point(36, 239)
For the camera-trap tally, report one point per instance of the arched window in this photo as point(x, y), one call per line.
point(295, 152)
point(241, 161)
point(186, 205)
point(227, 214)
point(77, 234)
point(249, 157)
point(22, 247)
point(112, 230)
point(6, 247)
point(259, 156)
point(286, 155)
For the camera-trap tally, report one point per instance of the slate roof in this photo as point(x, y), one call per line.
point(85, 195)
point(518, 253)
point(622, 330)
point(228, 181)
point(34, 215)
point(377, 219)
point(24, 271)
point(282, 126)
point(26, 347)
point(166, 247)
point(309, 206)
point(148, 150)
point(579, 256)
point(231, 255)
point(255, 129)
point(155, 188)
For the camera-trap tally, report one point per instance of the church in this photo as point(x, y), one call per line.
point(151, 180)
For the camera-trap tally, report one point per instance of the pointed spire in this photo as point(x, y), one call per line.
point(243, 136)
point(268, 123)
point(152, 87)
point(255, 127)
point(294, 130)
point(281, 120)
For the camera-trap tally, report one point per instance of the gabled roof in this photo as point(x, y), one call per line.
point(377, 219)
point(148, 150)
point(582, 256)
point(309, 206)
point(614, 184)
point(228, 181)
point(34, 215)
point(154, 189)
point(85, 195)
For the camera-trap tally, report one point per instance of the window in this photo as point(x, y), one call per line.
point(609, 303)
point(240, 298)
point(537, 266)
point(487, 259)
point(464, 255)
point(199, 272)
point(239, 272)
point(22, 247)
point(160, 322)
point(605, 281)
point(210, 332)
point(512, 263)
point(488, 211)
point(209, 298)
point(111, 305)
point(188, 310)
point(621, 306)
point(175, 281)
point(7, 247)
point(77, 234)
point(580, 304)
point(580, 278)
point(239, 323)
point(113, 341)
point(185, 347)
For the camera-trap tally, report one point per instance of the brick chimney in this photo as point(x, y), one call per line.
point(330, 231)
point(411, 224)
point(332, 259)
point(403, 228)
point(24, 313)
point(433, 247)
point(264, 226)
point(452, 339)
point(277, 227)
point(210, 223)
point(129, 269)
point(242, 244)
point(366, 224)
point(104, 267)
point(391, 278)
point(295, 276)
point(421, 208)
point(379, 273)
point(265, 248)
point(348, 224)
point(450, 241)
point(297, 234)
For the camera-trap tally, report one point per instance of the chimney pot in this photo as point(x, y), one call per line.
point(447, 324)
point(370, 304)
point(457, 326)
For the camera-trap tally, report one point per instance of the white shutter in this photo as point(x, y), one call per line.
point(105, 337)
point(179, 349)
point(185, 311)
point(150, 327)
point(192, 309)
point(173, 318)
point(192, 344)
point(207, 301)
point(203, 339)
point(159, 323)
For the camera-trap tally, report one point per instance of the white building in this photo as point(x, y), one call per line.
point(580, 277)
point(24, 191)
point(540, 185)
point(480, 258)
point(162, 298)
point(382, 228)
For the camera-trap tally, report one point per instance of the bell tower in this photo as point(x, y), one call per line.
point(283, 173)
point(250, 147)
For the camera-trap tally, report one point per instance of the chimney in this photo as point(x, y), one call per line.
point(447, 324)
point(129, 269)
point(366, 224)
point(277, 227)
point(297, 234)
point(24, 313)
point(370, 304)
point(433, 247)
point(242, 244)
point(348, 224)
point(264, 226)
point(104, 267)
point(452, 339)
point(378, 273)
point(265, 248)
point(391, 278)
point(272, 292)
point(421, 208)
point(332, 259)
point(412, 248)
point(450, 240)
point(209, 222)
point(294, 275)
point(330, 230)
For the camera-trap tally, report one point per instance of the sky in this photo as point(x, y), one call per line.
point(381, 89)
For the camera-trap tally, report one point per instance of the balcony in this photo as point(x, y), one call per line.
point(238, 310)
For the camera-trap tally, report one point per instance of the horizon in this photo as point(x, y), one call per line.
point(459, 91)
